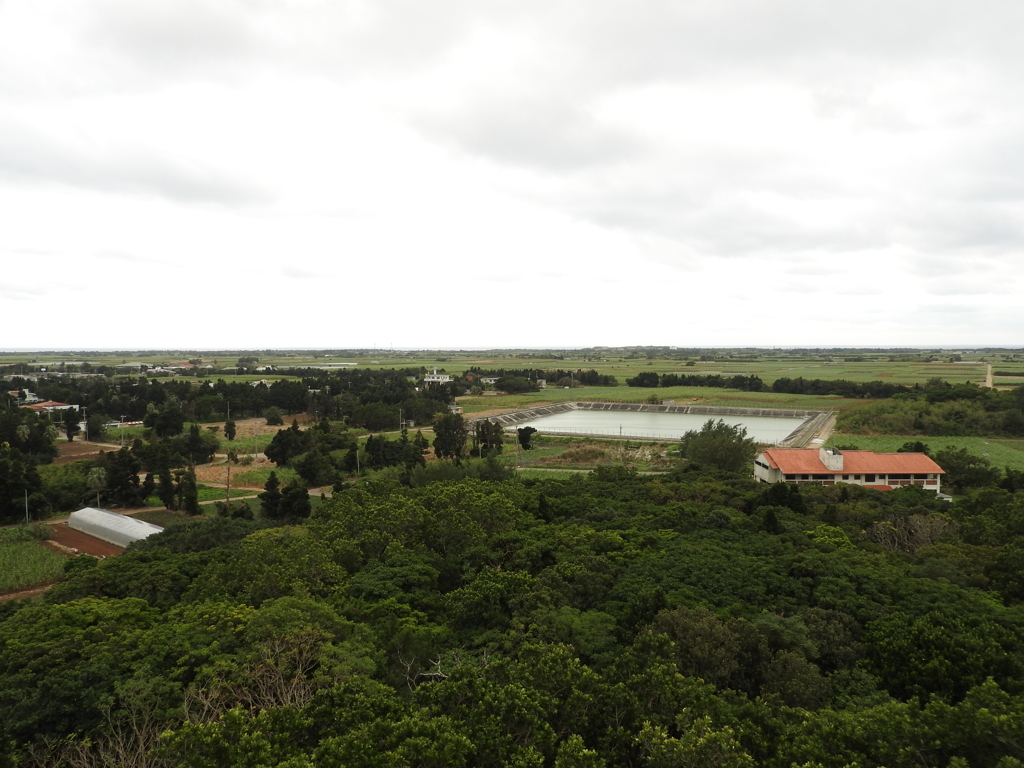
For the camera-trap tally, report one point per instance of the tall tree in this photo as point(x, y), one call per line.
point(270, 499)
point(523, 434)
point(123, 477)
point(719, 445)
point(166, 490)
point(487, 438)
point(450, 436)
point(69, 423)
point(97, 481)
point(295, 504)
point(188, 492)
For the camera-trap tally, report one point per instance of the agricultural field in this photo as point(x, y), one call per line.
point(162, 517)
point(25, 561)
point(257, 478)
point(1002, 453)
point(903, 367)
point(206, 494)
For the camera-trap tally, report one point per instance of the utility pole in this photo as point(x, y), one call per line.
point(26, 506)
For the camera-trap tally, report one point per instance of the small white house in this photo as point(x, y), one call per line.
point(437, 378)
point(119, 530)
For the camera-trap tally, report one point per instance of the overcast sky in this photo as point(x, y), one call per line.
point(539, 173)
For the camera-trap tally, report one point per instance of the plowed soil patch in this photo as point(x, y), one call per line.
point(70, 452)
point(67, 536)
point(218, 473)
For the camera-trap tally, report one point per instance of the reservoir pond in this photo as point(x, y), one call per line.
point(657, 426)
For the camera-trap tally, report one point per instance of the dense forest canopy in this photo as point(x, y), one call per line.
point(614, 619)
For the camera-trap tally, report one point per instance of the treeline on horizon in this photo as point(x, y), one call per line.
point(334, 394)
point(782, 385)
point(557, 376)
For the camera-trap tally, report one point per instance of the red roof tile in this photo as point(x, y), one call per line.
point(807, 461)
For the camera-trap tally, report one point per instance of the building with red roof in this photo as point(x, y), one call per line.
point(883, 471)
point(47, 406)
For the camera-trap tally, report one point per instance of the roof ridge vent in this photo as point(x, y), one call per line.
point(832, 459)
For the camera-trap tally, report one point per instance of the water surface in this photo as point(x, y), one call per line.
point(659, 426)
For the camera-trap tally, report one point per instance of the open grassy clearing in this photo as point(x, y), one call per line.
point(579, 453)
point(1001, 452)
point(25, 561)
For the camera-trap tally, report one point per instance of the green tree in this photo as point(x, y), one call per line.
point(720, 446)
point(96, 427)
point(316, 468)
point(965, 470)
point(523, 434)
point(487, 438)
point(188, 492)
point(295, 504)
point(69, 423)
point(274, 416)
point(197, 447)
point(17, 479)
point(270, 499)
point(450, 436)
point(515, 385)
point(287, 444)
point(166, 420)
point(123, 478)
point(166, 490)
point(914, 446)
point(97, 480)
point(229, 429)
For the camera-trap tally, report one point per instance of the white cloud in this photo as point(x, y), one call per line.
point(682, 173)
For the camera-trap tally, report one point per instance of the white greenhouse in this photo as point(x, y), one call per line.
point(111, 527)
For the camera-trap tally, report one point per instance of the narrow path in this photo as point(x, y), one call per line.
point(825, 432)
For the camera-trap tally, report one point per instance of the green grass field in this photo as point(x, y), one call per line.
point(207, 494)
point(900, 367)
point(1002, 453)
point(25, 562)
point(549, 474)
point(254, 478)
point(164, 518)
